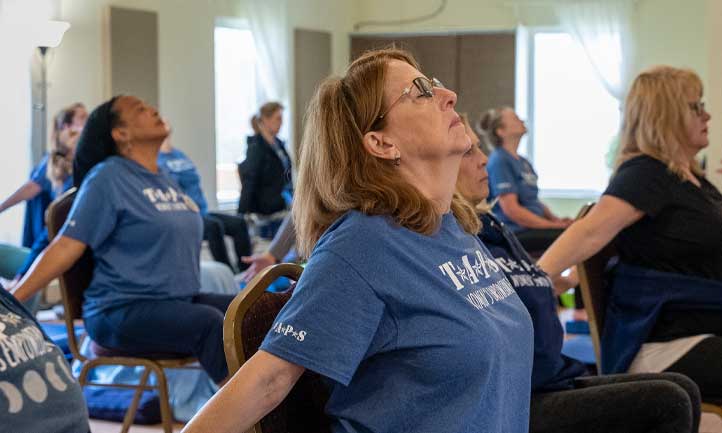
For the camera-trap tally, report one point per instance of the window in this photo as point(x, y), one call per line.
point(235, 94)
point(573, 121)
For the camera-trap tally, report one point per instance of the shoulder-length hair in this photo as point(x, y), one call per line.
point(336, 174)
point(60, 158)
point(656, 115)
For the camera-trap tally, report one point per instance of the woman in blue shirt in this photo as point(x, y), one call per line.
point(564, 398)
point(51, 177)
point(397, 306)
point(215, 224)
point(145, 235)
point(513, 182)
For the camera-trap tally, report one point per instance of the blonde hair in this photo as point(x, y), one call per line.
point(656, 116)
point(336, 174)
point(60, 158)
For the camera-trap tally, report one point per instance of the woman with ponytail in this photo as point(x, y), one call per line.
point(397, 306)
point(266, 171)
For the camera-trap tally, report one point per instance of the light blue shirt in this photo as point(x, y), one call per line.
point(145, 234)
point(415, 333)
point(511, 175)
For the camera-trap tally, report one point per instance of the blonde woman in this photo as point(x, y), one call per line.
point(397, 307)
point(664, 218)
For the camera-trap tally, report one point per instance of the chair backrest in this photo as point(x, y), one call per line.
point(75, 280)
point(12, 258)
point(593, 282)
point(249, 318)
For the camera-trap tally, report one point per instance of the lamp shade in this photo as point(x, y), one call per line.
point(48, 33)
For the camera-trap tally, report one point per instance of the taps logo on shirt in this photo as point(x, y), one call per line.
point(468, 272)
point(169, 200)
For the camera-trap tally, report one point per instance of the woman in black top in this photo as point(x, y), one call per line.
point(266, 172)
point(663, 216)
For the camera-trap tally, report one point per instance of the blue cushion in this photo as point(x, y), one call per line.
point(112, 403)
point(577, 327)
point(580, 348)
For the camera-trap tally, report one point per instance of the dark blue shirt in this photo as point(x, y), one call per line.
point(511, 175)
point(144, 232)
point(552, 370)
point(416, 333)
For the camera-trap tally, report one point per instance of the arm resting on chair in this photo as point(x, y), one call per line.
point(56, 259)
point(590, 234)
point(256, 389)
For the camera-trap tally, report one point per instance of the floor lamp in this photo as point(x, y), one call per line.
point(48, 35)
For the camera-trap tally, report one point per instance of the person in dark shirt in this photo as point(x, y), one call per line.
point(266, 171)
point(564, 398)
point(664, 216)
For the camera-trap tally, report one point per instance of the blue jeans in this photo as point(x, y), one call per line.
point(190, 326)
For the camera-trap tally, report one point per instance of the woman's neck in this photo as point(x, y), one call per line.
point(435, 181)
point(511, 145)
point(145, 155)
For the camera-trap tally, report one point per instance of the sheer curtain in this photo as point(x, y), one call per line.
point(604, 30)
point(268, 22)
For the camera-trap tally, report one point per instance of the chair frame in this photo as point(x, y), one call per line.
point(233, 323)
point(156, 366)
point(586, 277)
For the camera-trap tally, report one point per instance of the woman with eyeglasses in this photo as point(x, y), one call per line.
point(665, 295)
point(398, 306)
point(513, 183)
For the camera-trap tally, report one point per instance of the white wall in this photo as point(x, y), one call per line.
point(713, 91)
point(670, 31)
point(186, 86)
point(186, 81)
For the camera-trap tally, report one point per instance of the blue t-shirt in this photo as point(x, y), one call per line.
point(552, 370)
point(510, 175)
point(38, 393)
point(144, 232)
point(35, 234)
point(415, 333)
point(34, 223)
point(181, 169)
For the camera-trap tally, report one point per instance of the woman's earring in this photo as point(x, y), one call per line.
point(397, 160)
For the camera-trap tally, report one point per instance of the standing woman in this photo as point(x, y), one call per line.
point(397, 306)
point(513, 182)
point(145, 237)
point(266, 173)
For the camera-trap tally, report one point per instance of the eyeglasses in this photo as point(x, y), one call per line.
point(425, 87)
point(698, 107)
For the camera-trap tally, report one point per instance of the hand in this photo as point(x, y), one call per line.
point(258, 263)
